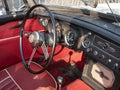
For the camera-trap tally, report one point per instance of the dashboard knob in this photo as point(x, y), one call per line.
point(102, 57)
point(116, 65)
point(89, 50)
point(95, 53)
point(109, 60)
point(86, 43)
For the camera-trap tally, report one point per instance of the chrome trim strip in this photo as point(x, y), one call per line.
point(5, 39)
point(13, 79)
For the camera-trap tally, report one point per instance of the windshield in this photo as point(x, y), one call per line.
point(104, 6)
point(15, 4)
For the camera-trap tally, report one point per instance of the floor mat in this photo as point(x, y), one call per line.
point(62, 61)
point(72, 72)
point(65, 70)
point(55, 70)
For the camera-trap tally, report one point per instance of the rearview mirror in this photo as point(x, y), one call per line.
point(92, 3)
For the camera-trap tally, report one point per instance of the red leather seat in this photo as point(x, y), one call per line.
point(17, 77)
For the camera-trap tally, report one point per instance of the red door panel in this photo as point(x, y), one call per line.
point(9, 42)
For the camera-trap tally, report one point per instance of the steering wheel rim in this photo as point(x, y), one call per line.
point(22, 34)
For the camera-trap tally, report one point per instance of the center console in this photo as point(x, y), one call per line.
point(102, 69)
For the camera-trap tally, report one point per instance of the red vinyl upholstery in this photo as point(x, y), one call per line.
point(17, 77)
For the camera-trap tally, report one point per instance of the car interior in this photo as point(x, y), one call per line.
point(45, 47)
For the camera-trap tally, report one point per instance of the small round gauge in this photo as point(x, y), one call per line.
point(58, 29)
point(86, 43)
point(70, 38)
point(43, 21)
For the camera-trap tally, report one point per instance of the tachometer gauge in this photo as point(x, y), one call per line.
point(86, 43)
point(70, 38)
point(58, 29)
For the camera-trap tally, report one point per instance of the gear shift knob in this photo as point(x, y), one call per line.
point(60, 81)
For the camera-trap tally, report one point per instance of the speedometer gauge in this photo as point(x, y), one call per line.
point(70, 38)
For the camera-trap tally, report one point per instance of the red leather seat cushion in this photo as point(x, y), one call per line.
point(17, 77)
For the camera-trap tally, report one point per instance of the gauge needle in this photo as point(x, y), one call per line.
point(102, 75)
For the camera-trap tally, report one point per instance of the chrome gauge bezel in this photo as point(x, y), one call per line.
point(58, 29)
point(67, 38)
point(86, 43)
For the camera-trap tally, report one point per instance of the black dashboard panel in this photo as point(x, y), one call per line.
point(107, 47)
point(102, 51)
point(99, 26)
point(107, 55)
point(96, 46)
point(100, 43)
point(99, 39)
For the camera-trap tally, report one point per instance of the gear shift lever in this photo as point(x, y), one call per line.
point(60, 81)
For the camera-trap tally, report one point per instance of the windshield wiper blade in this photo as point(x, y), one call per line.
point(110, 16)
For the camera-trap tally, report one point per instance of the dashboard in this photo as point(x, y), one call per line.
point(103, 56)
point(103, 51)
point(96, 46)
point(99, 39)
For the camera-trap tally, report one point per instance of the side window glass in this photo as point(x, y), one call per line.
point(15, 5)
point(2, 9)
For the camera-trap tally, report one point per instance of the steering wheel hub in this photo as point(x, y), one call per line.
point(36, 39)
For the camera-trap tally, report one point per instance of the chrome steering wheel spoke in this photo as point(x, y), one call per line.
point(45, 51)
point(32, 55)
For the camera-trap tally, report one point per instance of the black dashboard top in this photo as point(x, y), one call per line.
point(99, 26)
